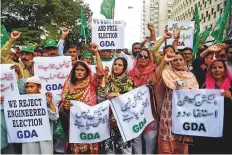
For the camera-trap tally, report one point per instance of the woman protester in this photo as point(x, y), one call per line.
point(80, 86)
point(117, 84)
point(174, 76)
point(141, 72)
point(218, 77)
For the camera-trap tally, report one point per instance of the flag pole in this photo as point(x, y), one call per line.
point(85, 35)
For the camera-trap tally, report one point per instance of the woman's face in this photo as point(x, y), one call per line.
point(118, 67)
point(178, 62)
point(143, 58)
point(80, 72)
point(217, 70)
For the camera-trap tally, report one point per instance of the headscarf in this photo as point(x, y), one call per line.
point(170, 77)
point(142, 75)
point(210, 82)
point(88, 54)
point(84, 92)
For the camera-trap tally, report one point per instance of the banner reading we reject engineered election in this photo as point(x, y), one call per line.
point(27, 118)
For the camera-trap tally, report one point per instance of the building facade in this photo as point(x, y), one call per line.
point(156, 12)
point(209, 11)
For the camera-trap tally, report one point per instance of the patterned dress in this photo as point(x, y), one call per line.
point(121, 85)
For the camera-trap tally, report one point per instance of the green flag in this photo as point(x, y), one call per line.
point(196, 34)
point(4, 35)
point(107, 8)
point(84, 32)
point(218, 32)
point(204, 35)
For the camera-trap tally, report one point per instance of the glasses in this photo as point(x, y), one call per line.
point(142, 56)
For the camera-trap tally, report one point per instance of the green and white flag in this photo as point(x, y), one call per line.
point(218, 32)
point(107, 8)
point(4, 35)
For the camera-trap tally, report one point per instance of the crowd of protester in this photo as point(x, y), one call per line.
point(118, 72)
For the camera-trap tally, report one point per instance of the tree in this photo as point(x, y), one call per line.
point(36, 18)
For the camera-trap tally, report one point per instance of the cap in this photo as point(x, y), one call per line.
point(13, 50)
point(27, 49)
point(50, 43)
point(34, 79)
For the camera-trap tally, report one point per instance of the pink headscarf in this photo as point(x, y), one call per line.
point(210, 82)
point(141, 76)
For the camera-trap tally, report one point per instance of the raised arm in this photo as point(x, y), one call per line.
point(95, 51)
point(60, 45)
point(176, 35)
point(5, 52)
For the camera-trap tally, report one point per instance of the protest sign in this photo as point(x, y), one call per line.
point(132, 112)
point(198, 112)
point(89, 124)
point(27, 118)
point(53, 71)
point(108, 33)
point(186, 33)
point(9, 84)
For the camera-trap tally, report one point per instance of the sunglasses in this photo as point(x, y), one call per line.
point(142, 56)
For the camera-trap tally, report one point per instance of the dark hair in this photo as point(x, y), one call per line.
point(125, 64)
point(72, 46)
point(136, 43)
point(169, 46)
point(179, 53)
point(39, 49)
point(73, 79)
point(187, 49)
point(227, 49)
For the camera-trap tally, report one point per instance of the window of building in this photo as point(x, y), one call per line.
point(210, 1)
point(221, 11)
point(205, 4)
point(218, 7)
point(207, 13)
point(209, 17)
point(212, 11)
point(169, 11)
point(202, 16)
point(214, 14)
point(204, 19)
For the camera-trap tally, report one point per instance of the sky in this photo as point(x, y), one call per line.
point(132, 17)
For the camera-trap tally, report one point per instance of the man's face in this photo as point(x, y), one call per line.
point(87, 60)
point(168, 50)
point(26, 57)
point(52, 51)
point(73, 52)
point(105, 54)
point(229, 55)
point(136, 49)
point(13, 56)
point(187, 55)
point(37, 54)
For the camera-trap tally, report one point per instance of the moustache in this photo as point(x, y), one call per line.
point(24, 60)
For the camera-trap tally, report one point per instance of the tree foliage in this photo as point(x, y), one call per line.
point(36, 18)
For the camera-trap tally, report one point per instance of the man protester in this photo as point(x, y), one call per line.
point(26, 56)
point(188, 53)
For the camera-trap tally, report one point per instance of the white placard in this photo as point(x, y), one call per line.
point(9, 84)
point(89, 124)
point(53, 71)
point(27, 118)
point(132, 112)
point(198, 112)
point(108, 33)
point(186, 33)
